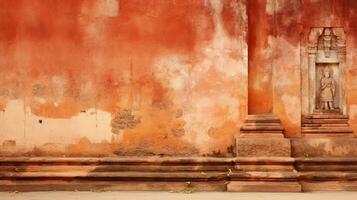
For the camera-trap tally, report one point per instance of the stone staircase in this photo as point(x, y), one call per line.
point(180, 174)
point(333, 124)
point(267, 124)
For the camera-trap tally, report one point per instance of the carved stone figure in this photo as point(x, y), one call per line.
point(327, 41)
point(328, 90)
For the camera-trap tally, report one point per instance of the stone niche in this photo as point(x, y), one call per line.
point(324, 109)
point(326, 63)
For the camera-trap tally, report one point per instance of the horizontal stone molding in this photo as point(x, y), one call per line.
point(176, 173)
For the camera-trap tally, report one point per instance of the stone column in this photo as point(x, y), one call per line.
point(261, 135)
point(261, 122)
point(260, 57)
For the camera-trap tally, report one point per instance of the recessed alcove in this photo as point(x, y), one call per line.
point(335, 74)
point(324, 109)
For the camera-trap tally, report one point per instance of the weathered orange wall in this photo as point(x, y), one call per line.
point(155, 77)
point(166, 76)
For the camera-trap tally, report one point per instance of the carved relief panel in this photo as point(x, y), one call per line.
point(326, 62)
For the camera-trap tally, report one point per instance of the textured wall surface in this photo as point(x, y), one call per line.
point(155, 77)
point(113, 77)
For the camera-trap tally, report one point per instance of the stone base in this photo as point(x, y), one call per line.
point(327, 173)
point(177, 174)
point(262, 135)
point(101, 186)
point(265, 147)
point(263, 186)
point(324, 147)
point(326, 124)
point(328, 186)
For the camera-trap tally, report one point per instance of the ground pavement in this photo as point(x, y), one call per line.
point(95, 195)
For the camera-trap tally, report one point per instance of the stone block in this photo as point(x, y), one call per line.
point(265, 147)
point(324, 147)
point(263, 186)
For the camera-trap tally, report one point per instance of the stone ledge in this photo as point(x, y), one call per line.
point(328, 176)
point(151, 160)
point(260, 186)
point(310, 186)
point(114, 175)
point(240, 173)
point(84, 185)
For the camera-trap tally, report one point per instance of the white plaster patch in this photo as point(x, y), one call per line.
point(30, 130)
point(12, 122)
point(173, 71)
point(226, 58)
point(218, 53)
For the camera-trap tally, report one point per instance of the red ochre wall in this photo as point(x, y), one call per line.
point(122, 77)
point(154, 77)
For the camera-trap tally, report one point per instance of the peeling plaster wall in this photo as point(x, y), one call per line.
point(155, 77)
point(122, 77)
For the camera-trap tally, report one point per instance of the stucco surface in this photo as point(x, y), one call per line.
point(72, 69)
point(156, 77)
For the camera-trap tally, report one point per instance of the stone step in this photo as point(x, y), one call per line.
point(110, 185)
point(325, 121)
point(149, 175)
point(263, 118)
point(261, 128)
point(328, 131)
point(325, 128)
point(262, 121)
point(113, 175)
point(261, 133)
point(257, 186)
point(261, 124)
point(325, 116)
point(113, 168)
point(327, 135)
point(325, 125)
